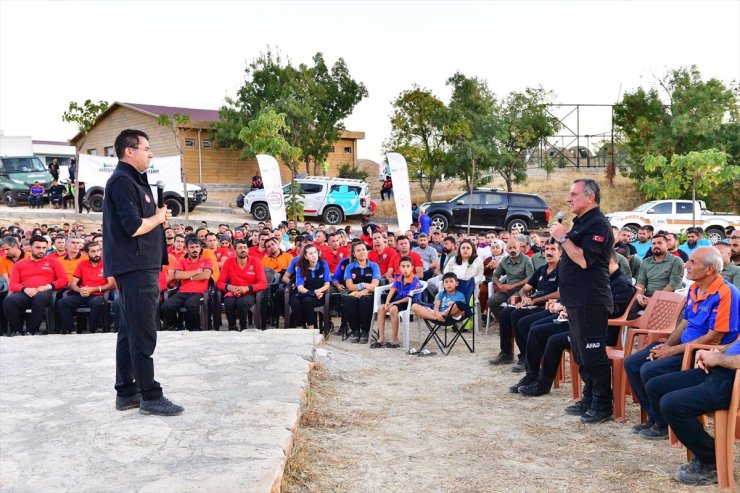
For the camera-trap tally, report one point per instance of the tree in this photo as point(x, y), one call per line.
point(265, 135)
point(313, 99)
point(417, 132)
point(522, 122)
point(84, 116)
point(696, 115)
point(176, 124)
point(695, 174)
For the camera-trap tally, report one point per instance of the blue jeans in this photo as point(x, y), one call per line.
point(640, 371)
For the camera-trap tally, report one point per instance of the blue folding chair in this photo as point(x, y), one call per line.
point(454, 330)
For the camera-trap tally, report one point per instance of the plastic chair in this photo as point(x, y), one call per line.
point(85, 311)
point(404, 316)
point(726, 425)
point(218, 304)
point(657, 322)
point(203, 307)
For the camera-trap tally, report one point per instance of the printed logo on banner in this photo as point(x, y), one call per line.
point(275, 199)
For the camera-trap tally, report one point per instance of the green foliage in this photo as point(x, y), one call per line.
point(314, 100)
point(701, 171)
point(548, 164)
point(294, 202)
point(417, 132)
point(700, 115)
point(349, 170)
point(85, 114)
point(265, 135)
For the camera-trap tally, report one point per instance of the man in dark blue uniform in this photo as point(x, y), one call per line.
point(134, 252)
point(585, 293)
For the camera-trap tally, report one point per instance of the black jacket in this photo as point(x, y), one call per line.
point(128, 200)
point(622, 292)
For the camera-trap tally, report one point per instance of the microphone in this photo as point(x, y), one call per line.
point(160, 194)
point(560, 217)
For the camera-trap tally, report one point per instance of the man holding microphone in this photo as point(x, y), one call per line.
point(134, 253)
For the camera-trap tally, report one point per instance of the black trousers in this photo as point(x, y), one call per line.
point(588, 329)
point(137, 334)
point(539, 332)
point(301, 308)
point(15, 304)
point(359, 313)
point(191, 301)
point(521, 322)
point(66, 307)
point(685, 395)
point(239, 308)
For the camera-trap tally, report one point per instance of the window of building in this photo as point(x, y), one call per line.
point(110, 151)
point(92, 152)
point(189, 142)
point(207, 144)
point(348, 150)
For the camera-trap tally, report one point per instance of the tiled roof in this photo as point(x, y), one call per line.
point(195, 114)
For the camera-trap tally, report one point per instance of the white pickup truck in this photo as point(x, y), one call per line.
point(674, 216)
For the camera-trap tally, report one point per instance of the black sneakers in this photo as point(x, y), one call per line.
point(130, 402)
point(502, 359)
point(695, 473)
point(577, 409)
point(592, 416)
point(642, 426)
point(524, 381)
point(535, 389)
point(654, 433)
point(160, 407)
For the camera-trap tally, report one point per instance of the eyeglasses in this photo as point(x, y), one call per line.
point(145, 149)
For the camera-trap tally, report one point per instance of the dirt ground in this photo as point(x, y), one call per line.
point(380, 420)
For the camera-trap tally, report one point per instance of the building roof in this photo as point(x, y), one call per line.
point(199, 118)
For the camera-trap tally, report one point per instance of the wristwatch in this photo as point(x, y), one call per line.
point(563, 239)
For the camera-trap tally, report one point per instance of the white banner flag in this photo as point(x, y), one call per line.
point(401, 190)
point(270, 171)
point(95, 170)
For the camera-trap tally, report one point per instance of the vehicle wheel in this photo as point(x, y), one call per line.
point(96, 203)
point(261, 212)
point(191, 208)
point(332, 216)
point(174, 205)
point(633, 231)
point(518, 225)
point(715, 235)
point(10, 199)
point(440, 222)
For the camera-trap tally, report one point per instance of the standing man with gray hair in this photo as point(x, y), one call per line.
point(134, 253)
point(585, 293)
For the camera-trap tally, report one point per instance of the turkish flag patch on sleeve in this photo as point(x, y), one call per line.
point(598, 238)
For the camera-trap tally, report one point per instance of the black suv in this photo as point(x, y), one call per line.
point(490, 208)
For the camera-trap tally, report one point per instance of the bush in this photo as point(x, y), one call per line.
point(348, 170)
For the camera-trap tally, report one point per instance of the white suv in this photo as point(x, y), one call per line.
point(333, 199)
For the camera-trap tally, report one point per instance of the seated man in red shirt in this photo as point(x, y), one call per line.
point(403, 244)
point(194, 273)
point(381, 254)
point(32, 281)
point(87, 289)
point(242, 277)
point(332, 252)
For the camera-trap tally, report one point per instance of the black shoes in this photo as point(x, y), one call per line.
point(232, 327)
point(592, 416)
point(160, 407)
point(695, 473)
point(642, 426)
point(525, 380)
point(577, 409)
point(535, 389)
point(356, 339)
point(518, 367)
point(654, 433)
point(502, 359)
point(363, 340)
point(130, 402)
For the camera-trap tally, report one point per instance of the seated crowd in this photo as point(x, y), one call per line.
point(255, 272)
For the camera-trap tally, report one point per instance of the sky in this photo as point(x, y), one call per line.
point(193, 53)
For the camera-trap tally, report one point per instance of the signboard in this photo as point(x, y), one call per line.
point(270, 171)
point(401, 190)
point(95, 170)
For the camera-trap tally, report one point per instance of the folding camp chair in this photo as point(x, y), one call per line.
point(457, 327)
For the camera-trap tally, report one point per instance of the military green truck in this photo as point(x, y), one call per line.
point(19, 169)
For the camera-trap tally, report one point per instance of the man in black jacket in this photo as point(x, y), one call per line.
point(134, 252)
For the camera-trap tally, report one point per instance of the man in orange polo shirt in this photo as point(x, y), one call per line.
point(87, 289)
point(193, 271)
point(74, 256)
point(209, 252)
point(12, 254)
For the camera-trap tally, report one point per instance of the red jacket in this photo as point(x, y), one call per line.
point(332, 258)
point(383, 259)
point(252, 274)
point(185, 264)
point(32, 274)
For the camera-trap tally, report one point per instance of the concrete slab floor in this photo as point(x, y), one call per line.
point(242, 393)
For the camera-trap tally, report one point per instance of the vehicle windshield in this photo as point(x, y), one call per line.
point(23, 165)
point(645, 206)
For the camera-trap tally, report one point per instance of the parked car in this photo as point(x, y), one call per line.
point(332, 199)
point(490, 208)
point(674, 216)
